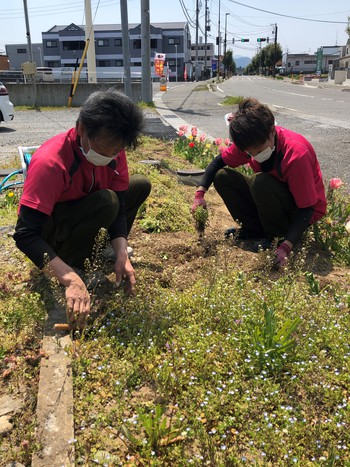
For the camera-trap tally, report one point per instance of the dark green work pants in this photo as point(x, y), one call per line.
point(74, 225)
point(261, 203)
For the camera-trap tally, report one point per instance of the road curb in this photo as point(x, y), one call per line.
point(172, 119)
point(55, 408)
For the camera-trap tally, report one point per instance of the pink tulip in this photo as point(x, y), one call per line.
point(183, 128)
point(194, 131)
point(227, 141)
point(335, 183)
point(180, 133)
point(202, 137)
point(218, 141)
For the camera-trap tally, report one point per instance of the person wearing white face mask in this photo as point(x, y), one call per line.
point(286, 193)
point(78, 183)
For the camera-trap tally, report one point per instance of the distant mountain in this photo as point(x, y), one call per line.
point(241, 62)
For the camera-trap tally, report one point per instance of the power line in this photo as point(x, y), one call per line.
point(288, 16)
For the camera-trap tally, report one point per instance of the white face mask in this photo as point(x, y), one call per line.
point(264, 155)
point(96, 158)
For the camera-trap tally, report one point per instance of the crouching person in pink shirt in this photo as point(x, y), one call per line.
point(284, 196)
point(78, 183)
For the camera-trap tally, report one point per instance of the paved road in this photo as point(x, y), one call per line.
point(326, 123)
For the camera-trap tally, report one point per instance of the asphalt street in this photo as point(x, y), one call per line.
point(326, 128)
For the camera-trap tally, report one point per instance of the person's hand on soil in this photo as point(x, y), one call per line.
point(124, 273)
point(281, 255)
point(78, 304)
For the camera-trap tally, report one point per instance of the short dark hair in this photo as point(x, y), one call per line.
point(113, 115)
point(251, 124)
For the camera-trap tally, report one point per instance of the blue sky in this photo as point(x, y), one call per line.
point(318, 23)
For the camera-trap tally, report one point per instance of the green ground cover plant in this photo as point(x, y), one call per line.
point(215, 364)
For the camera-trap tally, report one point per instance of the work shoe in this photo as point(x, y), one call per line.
point(94, 279)
point(241, 234)
point(109, 254)
point(263, 244)
point(91, 279)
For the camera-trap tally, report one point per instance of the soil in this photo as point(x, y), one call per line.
point(179, 259)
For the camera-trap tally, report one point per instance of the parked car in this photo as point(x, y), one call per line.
point(6, 106)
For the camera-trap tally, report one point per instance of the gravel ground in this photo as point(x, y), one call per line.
point(32, 128)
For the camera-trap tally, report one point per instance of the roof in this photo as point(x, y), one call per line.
point(118, 27)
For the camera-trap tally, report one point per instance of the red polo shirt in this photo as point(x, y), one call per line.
point(49, 181)
point(300, 169)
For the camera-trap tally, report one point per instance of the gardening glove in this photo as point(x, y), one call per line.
point(199, 201)
point(281, 255)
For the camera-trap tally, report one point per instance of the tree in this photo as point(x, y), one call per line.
point(265, 60)
point(229, 63)
point(347, 29)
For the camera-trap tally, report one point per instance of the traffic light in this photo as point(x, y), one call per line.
point(261, 39)
point(244, 40)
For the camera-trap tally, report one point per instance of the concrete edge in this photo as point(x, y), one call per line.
point(55, 404)
point(172, 119)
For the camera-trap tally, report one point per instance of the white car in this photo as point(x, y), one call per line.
point(6, 106)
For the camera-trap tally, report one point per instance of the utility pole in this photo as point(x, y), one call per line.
point(146, 52)
point(196, 75)
point(225, 44)
point(90, 36)
point(206, 29)
point(219, 43)
point(126, 53)
point(30, 51)
point(275, 53)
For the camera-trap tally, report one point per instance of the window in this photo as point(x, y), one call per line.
point(119, 63)
point(154, 43)
point(73, 45)
point(297, 62)
point(137, 43)
point(21, 51)
point(309, 62)
point(330, 62)
point(104, 63)
point(102, 42)
point(118, 42)
point(136, 64)
point(174, 40)
point(53, 64)
point(51, 44)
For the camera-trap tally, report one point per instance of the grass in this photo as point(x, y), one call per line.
point(232, 100)
point(233, 368)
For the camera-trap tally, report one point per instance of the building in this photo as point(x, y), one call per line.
point(308, 63)
point(4, 62)
point(343, 62)
point(208, 50)
point(62, 47)
point(18, 54)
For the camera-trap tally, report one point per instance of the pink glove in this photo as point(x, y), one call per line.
point(199, 200)
point(281, 255)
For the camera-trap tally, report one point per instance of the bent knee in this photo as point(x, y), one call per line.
point(142, 182)
point(220, 178)
point(259, 183)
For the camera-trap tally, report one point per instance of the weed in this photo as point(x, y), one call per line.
point(201, 219)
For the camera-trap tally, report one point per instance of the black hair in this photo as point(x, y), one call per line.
point(112, 115)
point(251, 124)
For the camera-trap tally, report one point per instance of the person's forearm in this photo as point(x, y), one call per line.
point(62, 272)
point(119, 244)
point(299, 225)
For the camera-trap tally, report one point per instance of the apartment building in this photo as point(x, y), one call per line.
point(62, 46)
